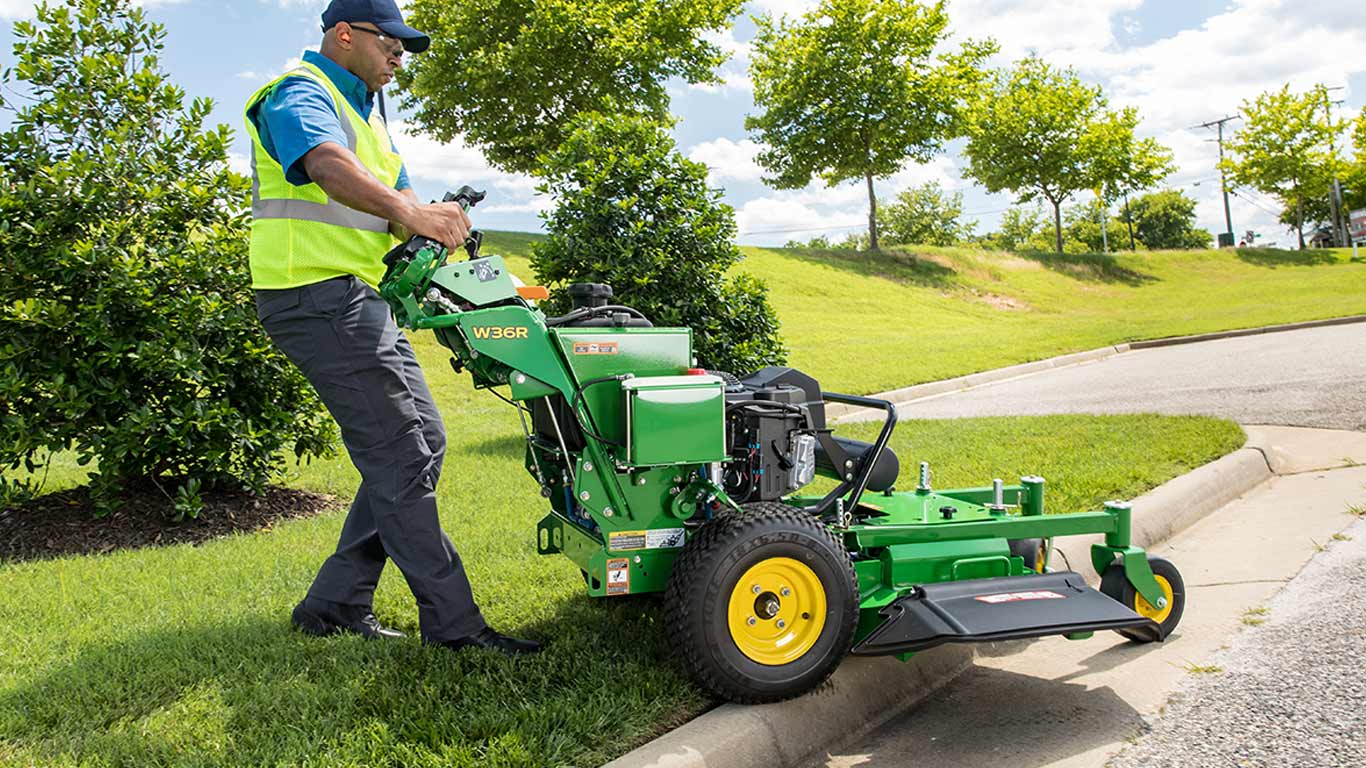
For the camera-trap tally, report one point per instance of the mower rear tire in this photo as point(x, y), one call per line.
point(1116, 584)
point(763, 604)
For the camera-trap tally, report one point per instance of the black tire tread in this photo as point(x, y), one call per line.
point(695, 559)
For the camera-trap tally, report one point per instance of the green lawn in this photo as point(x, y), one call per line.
point(182, 656)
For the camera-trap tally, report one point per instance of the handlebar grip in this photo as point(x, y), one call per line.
point(467, 196)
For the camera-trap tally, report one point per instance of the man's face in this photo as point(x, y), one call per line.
point(375, 56)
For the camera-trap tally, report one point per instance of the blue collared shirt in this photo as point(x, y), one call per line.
point(299, 115)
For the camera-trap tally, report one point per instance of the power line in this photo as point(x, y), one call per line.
point(794, 231)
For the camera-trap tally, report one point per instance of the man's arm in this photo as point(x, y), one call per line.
point(342, 176)
point(399, 231)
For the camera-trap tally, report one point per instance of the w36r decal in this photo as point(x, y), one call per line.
point(495, 333)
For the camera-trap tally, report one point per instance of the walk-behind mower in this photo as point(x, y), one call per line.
point(661, 477)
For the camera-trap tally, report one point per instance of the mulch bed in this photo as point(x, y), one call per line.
point(63, 523)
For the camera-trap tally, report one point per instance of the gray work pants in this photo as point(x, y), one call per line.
point(340, 333)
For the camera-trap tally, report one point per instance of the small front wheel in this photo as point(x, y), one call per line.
point(1115, 584)
point(763, 603)
point(1034, 552)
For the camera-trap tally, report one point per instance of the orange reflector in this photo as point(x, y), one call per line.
point(533, 292)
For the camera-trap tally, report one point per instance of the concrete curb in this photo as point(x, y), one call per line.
point(836, 412)
point(866, 692)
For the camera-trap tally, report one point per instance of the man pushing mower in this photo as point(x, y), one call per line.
point(329, 196)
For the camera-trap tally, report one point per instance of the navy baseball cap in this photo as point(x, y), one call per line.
point(383, 14)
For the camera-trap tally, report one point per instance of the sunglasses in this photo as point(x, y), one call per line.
point(393, 50)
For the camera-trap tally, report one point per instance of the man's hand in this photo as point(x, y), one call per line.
point(342, 176)
point(445, 223)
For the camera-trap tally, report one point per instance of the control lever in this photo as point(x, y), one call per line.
point(468, 197)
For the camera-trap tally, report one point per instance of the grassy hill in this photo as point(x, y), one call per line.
point(910, 315)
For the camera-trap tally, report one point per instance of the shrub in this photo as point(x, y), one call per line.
point(127, 326)
point(635, 214)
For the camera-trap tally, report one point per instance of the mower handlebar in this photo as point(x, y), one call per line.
point(468, 197)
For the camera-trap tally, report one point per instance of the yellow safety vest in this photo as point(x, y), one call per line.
point(300, 236)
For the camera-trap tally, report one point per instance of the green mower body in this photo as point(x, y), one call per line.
point(659, 477)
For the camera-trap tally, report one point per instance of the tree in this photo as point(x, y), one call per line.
point(1354, 181)
point(1019, 226)
point(855, 89)
point(1083, 226)
point(1124, 163)
point(127, 327)
point(635, 214)
point(925, 215)
point(1042, 133)
point(509, 76)
point(1282, 149)
point(1166, 220)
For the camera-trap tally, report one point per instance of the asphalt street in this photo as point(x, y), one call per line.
point(1308, 378)
point(1287, 691)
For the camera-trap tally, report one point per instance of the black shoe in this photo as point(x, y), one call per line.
point(322, 619)
point(488, 638)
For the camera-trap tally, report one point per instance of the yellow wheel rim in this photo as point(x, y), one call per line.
point(1146, 609)
point(1041, 559)
point(777, 611)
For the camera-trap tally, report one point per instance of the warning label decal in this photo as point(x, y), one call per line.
point(619, 577)
point(1015, 597)
point(663, 538)
point(597, 348)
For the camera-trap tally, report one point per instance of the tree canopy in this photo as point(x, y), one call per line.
point(637, 215)
point(855, 89)
point(1282, 149)
point(1166, 220)
point(509, 76)
point(925, 215)
point(1042, 133)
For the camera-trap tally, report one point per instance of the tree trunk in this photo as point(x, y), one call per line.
point(872, 215)
point(1129, 219)
point(1299, 220)
point(1057, 224)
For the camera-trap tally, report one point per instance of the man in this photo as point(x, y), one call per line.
point(329, 196)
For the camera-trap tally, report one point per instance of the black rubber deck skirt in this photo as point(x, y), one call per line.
point(1009, 608)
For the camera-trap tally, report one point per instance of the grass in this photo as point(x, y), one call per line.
point(182, 656)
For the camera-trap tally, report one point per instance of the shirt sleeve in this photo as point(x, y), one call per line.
point(299, 115)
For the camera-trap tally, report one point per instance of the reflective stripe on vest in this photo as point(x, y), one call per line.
point(299, 234)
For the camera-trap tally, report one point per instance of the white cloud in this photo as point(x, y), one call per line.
point(778, 218)
point(457, 164)
point(239, 162)
point(728, 160)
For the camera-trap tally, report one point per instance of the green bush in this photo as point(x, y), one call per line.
point(925, 215)
point(635, 214)
point(127, 326)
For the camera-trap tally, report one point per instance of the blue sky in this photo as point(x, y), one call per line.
point(1181, 62)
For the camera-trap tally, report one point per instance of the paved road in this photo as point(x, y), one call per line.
point(1309, 378)
point(1076, 704)
point(1289, 691)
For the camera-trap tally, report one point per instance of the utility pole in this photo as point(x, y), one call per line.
point(1335, 191)
point(1227, 238)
